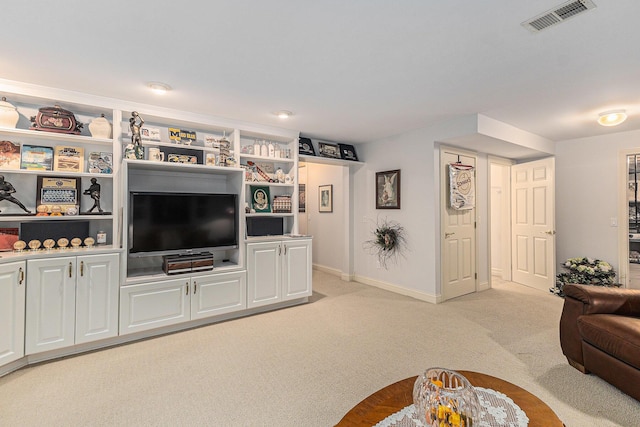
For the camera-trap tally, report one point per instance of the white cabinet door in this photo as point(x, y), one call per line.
point(152, 305)
point(263, 273)
point(51, 296)
point(215, 294)
point(296, 269)
point(97, 297)
point(12, 300)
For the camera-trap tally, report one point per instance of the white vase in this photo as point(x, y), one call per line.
point(100, 127)
point(8, 114)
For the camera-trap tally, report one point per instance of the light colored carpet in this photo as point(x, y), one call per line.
point(308, 365)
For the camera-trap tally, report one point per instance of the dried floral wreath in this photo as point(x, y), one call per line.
point(388, 243)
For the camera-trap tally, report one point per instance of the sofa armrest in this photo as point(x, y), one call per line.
point(604, 300)
point(588, 299)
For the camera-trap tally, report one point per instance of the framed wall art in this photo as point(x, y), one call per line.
point(325, 198)
point(388, 189)
point(327, 149)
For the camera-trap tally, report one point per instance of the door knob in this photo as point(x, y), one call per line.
point(447, 235)
point(550, 232)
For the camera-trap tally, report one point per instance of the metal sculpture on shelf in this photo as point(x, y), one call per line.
point(135, 124)
point(6, 193)
point(94, 192)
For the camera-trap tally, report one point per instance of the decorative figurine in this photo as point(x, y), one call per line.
point(135, 123)
point(6, 191)
point(94, 192)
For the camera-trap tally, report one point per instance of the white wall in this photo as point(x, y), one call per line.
point(416, 154)
point(328, 229)
point(587, 188)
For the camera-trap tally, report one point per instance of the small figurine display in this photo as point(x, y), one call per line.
point(94, 192)
point(6, 191)
point(135, 124)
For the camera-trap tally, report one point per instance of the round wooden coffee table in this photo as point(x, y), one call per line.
point(394, 397)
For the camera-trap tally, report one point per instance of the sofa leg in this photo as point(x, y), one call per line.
point(578, 366)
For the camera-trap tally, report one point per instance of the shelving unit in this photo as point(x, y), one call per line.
point(270, 165)
point(142, 300)
point(25, 181)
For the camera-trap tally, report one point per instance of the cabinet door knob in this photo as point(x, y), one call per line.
point(81, 268)
point(187, 288)
point(195, 287)
point(20, 276)
point(70, 267)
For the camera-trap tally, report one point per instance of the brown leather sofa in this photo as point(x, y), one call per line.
point(600, 334)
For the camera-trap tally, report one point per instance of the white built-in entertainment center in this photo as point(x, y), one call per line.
point(70, 299)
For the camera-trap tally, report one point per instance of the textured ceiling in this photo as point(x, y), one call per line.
point(351, 71)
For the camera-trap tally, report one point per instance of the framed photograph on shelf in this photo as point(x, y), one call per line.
point(260, 199)
point(59, 192)
point(327, 149)
point(325, 198)
point(348, 152)
point(305, 146)
point(388, 189)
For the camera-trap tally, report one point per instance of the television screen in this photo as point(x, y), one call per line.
point(181, 222)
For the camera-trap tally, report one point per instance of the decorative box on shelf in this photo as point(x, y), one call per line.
point(282, 204)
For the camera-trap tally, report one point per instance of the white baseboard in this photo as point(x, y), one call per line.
point(329, 270)
point(433, 299)
point(495, 271)
point(483, 286)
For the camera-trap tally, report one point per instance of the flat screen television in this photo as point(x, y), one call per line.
point(181, 223)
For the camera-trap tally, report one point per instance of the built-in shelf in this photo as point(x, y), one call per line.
point(329, 161)
point(52, 136)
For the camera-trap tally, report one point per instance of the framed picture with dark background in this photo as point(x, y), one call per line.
point(305, 146)
point(327, 149)
point(388, 189)
point(348, 152)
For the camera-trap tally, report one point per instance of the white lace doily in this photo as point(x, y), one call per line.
point(498, 409)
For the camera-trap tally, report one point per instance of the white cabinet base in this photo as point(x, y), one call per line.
point(162, 303)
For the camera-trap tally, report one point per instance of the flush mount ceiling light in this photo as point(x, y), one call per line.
point(283, 114)
point(158, 87)
point(612, 117)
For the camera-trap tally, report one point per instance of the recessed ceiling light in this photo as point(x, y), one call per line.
point(158, 87)
point(612, 117)
point(283, 114)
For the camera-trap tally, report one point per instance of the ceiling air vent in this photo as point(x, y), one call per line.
point(558, 14)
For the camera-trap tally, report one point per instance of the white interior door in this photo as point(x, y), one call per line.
point(533, 224)
point(458, 247)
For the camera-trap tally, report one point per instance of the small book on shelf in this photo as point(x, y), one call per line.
point(9, 155)
point(68, 159)
point(100, 162)
point(36, 158)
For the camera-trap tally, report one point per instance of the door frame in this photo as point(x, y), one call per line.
point(506, 213)
point(623, 216)
point(443, 202)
